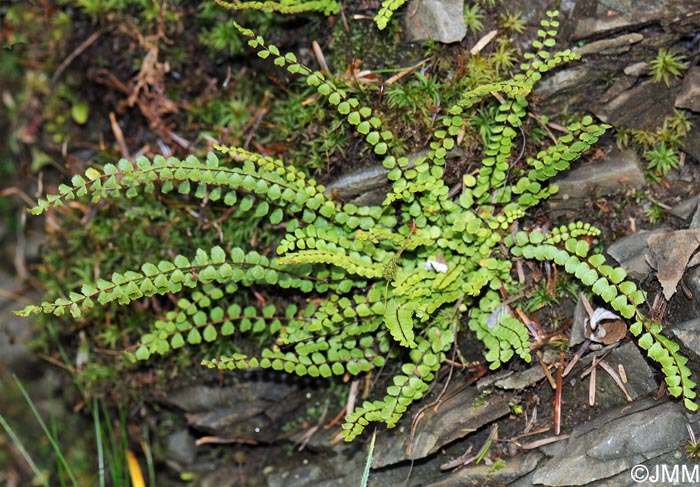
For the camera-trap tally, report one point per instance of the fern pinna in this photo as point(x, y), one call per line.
point(389, 282)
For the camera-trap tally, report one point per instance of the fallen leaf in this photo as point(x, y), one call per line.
point(669, 254)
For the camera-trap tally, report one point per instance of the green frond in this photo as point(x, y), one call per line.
point(386, 12)
point(327, 7)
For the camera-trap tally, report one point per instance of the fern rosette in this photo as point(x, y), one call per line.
point(383, 283)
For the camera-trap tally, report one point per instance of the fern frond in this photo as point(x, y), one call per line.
point(327, 7)
point(171, 276)
point(386, 12)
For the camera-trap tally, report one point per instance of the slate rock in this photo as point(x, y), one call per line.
point(640, 379)
point(689, 95)
point(256, 409)
point(514, 468)
point(613, 45)
point(615, 442)
point(643, 107)
point(632, 253)
point(603, 177)
point(330, 472)
point(461, 414)
point(352, 185)
point(686, 208)
point(224, 475)
point(688, 333)
point(438, 20)
point(596, 18)
point(181, 447)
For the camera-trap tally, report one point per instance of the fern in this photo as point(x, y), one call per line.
point(369, 272)
point(386, 12)
point(326, 7)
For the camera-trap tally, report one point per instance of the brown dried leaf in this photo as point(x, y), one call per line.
point(669, 253)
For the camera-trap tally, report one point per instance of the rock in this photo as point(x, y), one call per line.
point(225, 475)
point(614, 45)
point(368, 186)
point(691, 141)
point(359, 183)
point(459, 415)
point(688, 333)
point(563, 83)
point(596, 18)
point(689, 96)
point(256, 409)
point(640, 379)
point(632, 253)
point(438, 20)
point(181, 447)
point(637, 69)
point(686, 208)
point(615, 442)
point(330, 472)
point(600, 178)
point(514, 468)
point(643, 107)
point(521, 380)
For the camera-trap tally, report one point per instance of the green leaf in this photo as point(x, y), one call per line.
point(209, 333)
point(194, 337)
point(399, 321)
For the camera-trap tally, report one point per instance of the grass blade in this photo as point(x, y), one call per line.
point(27, 458)
point(98, 441)
point(52, 440)
point(368, 465)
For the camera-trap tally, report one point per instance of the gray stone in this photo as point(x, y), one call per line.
point(336, 471)
point(595, 18)
point(225, 475)
point(564, 81)
point(459, 415)
point(620, 168)
point(689, 96)
point(632, 253)
point(614, 45)
point(691, 141)
point(514, 469)
point(521, 380)
point(640, 378)
point(181, 447)
point(578, 328)
point(438, 20)
point(637, 69)
point(686, 208)
point(688, 333)
point(255, 409)
point(615, 442)
point(643, 107)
